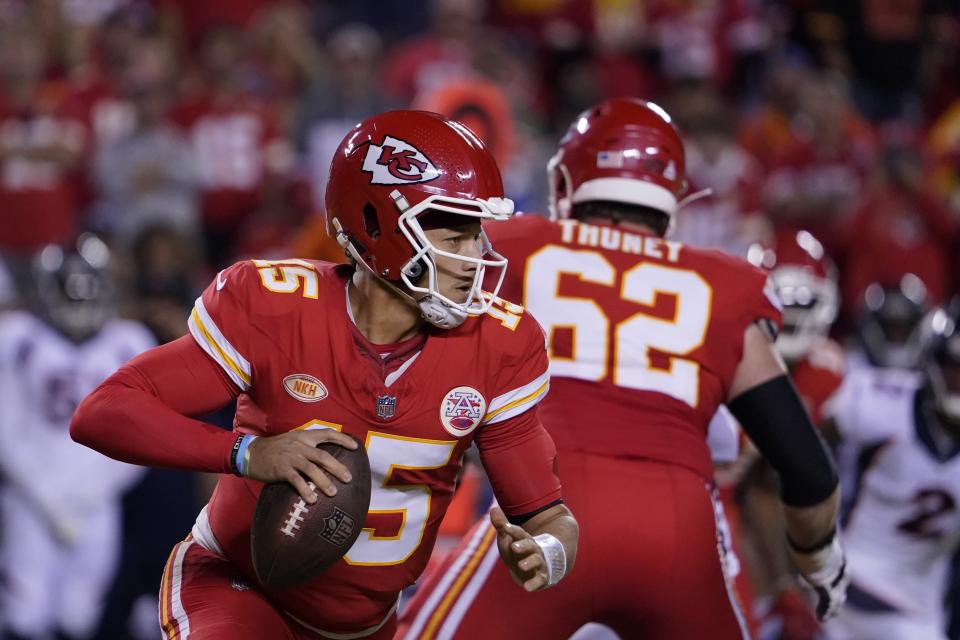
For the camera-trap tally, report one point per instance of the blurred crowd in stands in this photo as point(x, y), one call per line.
point(192, 134)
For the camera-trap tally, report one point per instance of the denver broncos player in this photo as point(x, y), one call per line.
point(647, 337)
point(399, 349)
point(904, 525)
point(60, 511)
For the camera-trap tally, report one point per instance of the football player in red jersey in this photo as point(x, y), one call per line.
point(400, 350)
point(806, 284)
point(805, 280)
point(647, 338)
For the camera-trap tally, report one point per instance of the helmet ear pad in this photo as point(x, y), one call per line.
point(414, 270)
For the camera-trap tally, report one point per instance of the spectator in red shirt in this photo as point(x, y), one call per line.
point(450, 50)
point(240, 153)
point(814, 182)
point(899, 227)
point(189, 21)
point(765, 132)
point(728, 217)
point(40, 148)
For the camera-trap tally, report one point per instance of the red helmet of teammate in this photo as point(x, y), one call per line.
point(389, 171)
point(806, 283)
point(622, 150)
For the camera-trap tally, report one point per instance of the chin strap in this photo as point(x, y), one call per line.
point(693, 197)
point(440, 315)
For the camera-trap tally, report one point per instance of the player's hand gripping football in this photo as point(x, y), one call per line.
point(522, 555)
point(826, 571)
point(294, 457)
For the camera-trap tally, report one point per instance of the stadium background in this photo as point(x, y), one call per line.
point(193, 134)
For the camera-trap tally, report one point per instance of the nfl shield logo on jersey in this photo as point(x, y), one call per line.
point(462, 410)
point(386, 407)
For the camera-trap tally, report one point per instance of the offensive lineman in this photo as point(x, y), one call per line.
point(399, 349)
point(647, 338)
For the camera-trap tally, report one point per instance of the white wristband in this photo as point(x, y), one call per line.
point(828, 562)
point(555, 555)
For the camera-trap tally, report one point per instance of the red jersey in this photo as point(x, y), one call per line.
point(236, 144)
point(818, 375)
point(38, 197)
point(281, 330)
point(645, 333)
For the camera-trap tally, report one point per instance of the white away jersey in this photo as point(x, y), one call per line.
point(43, 376)
point(904, 522)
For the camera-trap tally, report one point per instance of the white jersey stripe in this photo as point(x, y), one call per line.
point(430, 606)
point(729, 563)
point(205, 331)
point(517, 401)
point(470, 592)
point(176, 581)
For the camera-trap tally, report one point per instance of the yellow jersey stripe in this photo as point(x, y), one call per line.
point(169, 626)
point(441, 612)
point(542, 389)
point(225, 359)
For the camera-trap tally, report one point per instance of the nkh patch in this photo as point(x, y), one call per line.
point(304, 387)
point(462, 410)
point(386, 407)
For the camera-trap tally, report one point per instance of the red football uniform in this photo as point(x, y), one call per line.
point(818, 376)
point(283, 334)
point(38, 196)
point(645, 335)
point(236, 146)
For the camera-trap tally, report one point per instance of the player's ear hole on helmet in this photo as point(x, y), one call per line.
point(414, 270)
point(654, 219)
point(371, 223)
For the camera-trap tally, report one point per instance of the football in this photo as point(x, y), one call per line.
point(293, 542)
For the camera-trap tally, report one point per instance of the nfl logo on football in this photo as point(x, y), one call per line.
point(386, 407)
point(462, 410)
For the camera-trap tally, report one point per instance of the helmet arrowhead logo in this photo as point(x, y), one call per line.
point(397, 162)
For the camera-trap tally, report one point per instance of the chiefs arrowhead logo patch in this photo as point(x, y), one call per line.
point(397, 162)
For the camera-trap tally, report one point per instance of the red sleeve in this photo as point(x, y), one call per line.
point(517, 452)
point(223, 322)
point(765, 304)
point(521, 376)
point(521, 461)
point(139, 414)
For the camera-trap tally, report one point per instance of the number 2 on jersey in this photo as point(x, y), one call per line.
point(628, 360)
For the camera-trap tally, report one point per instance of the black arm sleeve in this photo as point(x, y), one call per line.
point(774, 417)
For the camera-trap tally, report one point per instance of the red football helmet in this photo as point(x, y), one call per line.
point(391, 169)
point(805, 281)
point(622, 150)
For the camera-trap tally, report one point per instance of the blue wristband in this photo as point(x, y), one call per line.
point(243, 454)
